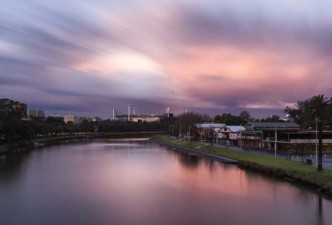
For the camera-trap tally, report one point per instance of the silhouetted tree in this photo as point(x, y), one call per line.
point(319, 104)
point(301, 114)
point(273, 118)
point(245, 115)
point(185, 121)
point(229, 119)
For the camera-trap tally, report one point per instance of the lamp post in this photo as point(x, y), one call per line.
point(128, 112)
point(275, 141)
point(189, 133)
point(316, 142)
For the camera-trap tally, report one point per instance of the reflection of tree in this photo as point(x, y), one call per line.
point(212, 165)
point(188, 160)
point(10, 166)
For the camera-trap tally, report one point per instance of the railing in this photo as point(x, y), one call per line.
point(309, 141)
point(248, 137)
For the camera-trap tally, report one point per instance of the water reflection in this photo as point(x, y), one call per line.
point(11, 167)
point(320, 210)
point(253, 187)
point(140, 182)
point(188, 160)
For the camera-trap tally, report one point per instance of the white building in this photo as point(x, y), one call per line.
point(146, 118)
point(230, 132)
point(72, 118)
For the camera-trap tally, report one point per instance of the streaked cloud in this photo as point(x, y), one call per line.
point(213, 56)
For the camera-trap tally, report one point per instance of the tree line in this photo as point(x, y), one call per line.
point(14, 127)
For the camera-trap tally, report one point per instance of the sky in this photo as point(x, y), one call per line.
point(213, 56)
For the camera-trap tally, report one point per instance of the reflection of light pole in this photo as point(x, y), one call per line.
point(128, 112)
point(180, 131)
point(316, 142)
point(189, 133)
point(217, 137)
point(275, 141)
point(241, 133)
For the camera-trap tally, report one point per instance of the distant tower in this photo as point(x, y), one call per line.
point(113, 114)
point(168, 110)
point(128, 112)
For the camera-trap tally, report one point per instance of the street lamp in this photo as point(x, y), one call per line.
point(189, 133)
point(316, 142)
point(275, 141)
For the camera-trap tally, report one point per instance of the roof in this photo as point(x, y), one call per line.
point(209, 125)
point(216, 129)
point(235, 128)
point(261, 125)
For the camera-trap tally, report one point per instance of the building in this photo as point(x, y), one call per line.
point(36, 113)
point(228, 135)
point(72, 118)
point(139, 118)
point(90, 119)
point(266, 134)
point(133, 115)
point(207, 130)
point(146, 118)
point(303, 141)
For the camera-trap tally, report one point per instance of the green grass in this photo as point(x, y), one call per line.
point(267, 164)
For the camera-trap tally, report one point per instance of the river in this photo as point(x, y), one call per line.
point(136, 181)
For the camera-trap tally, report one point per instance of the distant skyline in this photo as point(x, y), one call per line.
point(214, 56)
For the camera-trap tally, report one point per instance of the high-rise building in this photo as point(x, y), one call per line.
point(36, 113)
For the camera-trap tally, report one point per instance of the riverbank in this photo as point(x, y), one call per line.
point(192, 151)
point(282, 168)
point(40, 142)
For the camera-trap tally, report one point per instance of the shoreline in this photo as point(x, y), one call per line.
point(25, 146)
point(287, 170)
point(200, 153)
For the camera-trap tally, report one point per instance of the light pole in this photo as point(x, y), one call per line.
point(201, 134)
point(217, 134)
point(275, 141)
point(128, 112)
point(189, 133)
point(316, 142)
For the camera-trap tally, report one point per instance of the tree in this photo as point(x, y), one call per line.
point(318, 105)
point(301, 114)
point(245, 115)
point(12, 127)
point(273, 118)
point(185, 121)
point(229, 119)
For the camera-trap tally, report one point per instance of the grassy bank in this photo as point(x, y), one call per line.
point(283, 168)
